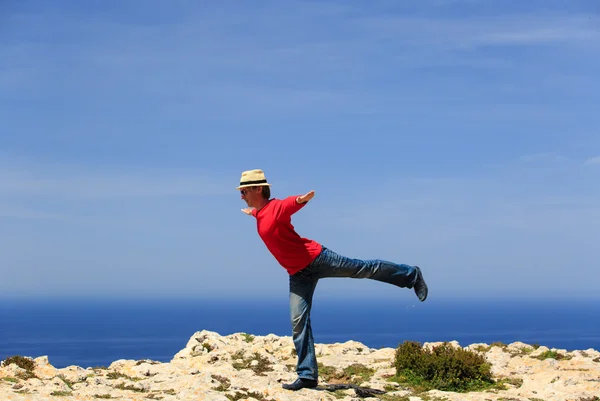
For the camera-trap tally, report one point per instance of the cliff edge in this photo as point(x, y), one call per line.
point(252, 368)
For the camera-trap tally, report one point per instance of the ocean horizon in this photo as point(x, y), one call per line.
point(88, 333)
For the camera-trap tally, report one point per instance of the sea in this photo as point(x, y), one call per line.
point(92, 333)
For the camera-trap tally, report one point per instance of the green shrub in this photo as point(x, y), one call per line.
point(21, 361)
point(26, 363)
point(443, 367)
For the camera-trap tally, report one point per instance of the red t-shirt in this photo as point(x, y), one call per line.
point(274, 226)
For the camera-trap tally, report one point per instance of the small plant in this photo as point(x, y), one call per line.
point(68, 382)
point(148, 361)
point(117, 375)
point(327, 372)
point(521, 352)
point(248, 337)
point(28, 374)
point(483, 348)
point(239, 354)
point(263, 365)
point(358, 373)
point(515, 381)
point(103, 396)
point(354, 374)
point(553, 355)
point(60, 393)
point(130, 388)
point(388, 397)
point(444, 367)
point(21, 361)
point(224, 383)
point(239, 396)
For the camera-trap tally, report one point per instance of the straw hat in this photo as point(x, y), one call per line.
point(251, 178)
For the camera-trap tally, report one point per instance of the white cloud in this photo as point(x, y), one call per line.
point(199, 64)
point(533, 36)
point(18, 212)
point(75, 182)
point(593, 160)
point(543, 157)
point(458, 33)
point(201, 40)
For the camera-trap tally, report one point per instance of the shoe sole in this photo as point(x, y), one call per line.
point(420, 277)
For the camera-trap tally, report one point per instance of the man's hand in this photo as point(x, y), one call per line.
point(248, 211)
point(305, 198)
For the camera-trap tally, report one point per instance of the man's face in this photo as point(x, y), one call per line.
point(251, 195)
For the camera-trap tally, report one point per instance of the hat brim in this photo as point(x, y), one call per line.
point(266, 184)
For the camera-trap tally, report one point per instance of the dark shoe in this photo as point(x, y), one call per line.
point(420, 286)
point(300, 384)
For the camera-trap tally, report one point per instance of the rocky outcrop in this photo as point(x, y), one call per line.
point(244, 367)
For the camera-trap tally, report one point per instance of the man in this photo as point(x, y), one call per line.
point(307, 261)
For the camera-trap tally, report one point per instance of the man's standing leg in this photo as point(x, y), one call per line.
point(302, 288)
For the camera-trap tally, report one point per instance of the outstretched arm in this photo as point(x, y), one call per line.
point(292, 204)
point(306, 197)
point(248, 211)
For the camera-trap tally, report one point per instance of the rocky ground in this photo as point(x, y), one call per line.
point(243, 367)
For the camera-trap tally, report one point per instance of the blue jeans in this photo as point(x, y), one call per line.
point(331, 264)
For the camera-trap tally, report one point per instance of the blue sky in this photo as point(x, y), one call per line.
point(462, 136)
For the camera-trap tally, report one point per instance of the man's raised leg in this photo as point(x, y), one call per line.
point(332, 264)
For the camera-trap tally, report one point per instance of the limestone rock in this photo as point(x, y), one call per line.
point(245, 367)
point(11, 370)
point(43, 369)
